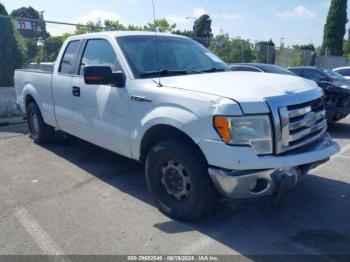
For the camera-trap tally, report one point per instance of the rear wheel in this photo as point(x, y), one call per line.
point(40, 132)
point(178, 181)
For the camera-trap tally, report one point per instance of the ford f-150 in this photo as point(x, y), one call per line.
point(202, 130)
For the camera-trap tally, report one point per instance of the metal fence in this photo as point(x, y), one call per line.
point(24, 41)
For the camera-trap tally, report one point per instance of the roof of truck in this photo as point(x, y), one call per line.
point(122, 33)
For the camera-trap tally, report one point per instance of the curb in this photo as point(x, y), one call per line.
point(9, 121)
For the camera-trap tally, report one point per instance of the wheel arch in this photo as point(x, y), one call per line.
point(162, 132)
point(29, 99)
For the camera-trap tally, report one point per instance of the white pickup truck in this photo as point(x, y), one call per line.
point(202, 130)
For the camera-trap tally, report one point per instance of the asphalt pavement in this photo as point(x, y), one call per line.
point(71, 197)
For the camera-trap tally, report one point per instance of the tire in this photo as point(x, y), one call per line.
point(40, 132)
point(197, 195)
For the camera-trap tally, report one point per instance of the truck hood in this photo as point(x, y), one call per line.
point(249, 89)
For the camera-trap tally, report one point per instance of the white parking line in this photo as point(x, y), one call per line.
point(39, 235)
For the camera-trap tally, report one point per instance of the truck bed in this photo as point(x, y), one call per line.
point(37, 83)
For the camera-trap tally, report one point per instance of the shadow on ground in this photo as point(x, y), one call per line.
point(314, 218)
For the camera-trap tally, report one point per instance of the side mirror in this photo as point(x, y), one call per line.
point(103, 75)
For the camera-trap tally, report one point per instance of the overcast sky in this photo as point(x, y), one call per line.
point(299, 22)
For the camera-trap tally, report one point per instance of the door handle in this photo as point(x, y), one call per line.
point(76, 91)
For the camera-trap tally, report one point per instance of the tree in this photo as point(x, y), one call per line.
point(266, 52)
point(202, 30)
point(161, 25)
point(232, 50)
point(334, 29)
point(51, 48)
point(90, 27)
point(134, 28)
point(11, 57)
point(38, 30)
point(113, 25)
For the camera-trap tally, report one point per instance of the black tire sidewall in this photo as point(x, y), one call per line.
point(202, 191)
point(33, 109)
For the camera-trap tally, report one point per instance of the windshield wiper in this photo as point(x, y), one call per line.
point(214, 69)
point(164, 72)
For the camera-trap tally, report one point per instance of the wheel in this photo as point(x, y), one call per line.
point(178, 180)
point(40, 132)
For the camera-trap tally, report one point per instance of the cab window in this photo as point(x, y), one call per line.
point(68, 59)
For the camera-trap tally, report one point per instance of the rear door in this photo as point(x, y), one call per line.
point(101, 111)
point(62, 86)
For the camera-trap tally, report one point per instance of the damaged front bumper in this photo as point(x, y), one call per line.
point(249, 183)
point(258, 183)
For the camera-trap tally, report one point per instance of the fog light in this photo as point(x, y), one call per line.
point(252, 185)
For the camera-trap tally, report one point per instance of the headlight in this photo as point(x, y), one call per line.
point(246, 130)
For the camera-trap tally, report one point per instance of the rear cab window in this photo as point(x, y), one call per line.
point(69, 57)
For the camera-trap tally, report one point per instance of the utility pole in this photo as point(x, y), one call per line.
point(281, 43)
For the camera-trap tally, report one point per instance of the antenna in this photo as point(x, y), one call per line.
point(156, 35)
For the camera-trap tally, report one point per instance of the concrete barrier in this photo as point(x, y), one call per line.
point(8, 102)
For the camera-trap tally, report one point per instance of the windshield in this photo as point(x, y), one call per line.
point(276, 70)
point(333, 74)
point(150, 55)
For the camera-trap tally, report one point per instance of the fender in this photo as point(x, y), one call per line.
point(29, 89)
point(179, 118)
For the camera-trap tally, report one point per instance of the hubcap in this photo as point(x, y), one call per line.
point(35, 124)
point(176, 180)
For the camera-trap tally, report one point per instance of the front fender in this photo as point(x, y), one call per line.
point(180, 118)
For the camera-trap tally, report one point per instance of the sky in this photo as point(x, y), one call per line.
point(296, 21)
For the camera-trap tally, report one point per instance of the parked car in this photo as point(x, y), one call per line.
point(344, 71)
point(202, 130)
point(256, 67)
point(335, 87)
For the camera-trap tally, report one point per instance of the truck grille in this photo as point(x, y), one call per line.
point(302, 124)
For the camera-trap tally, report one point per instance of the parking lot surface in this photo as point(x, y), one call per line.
point(71, 197)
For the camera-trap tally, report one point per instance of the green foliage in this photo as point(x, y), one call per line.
point(90, 27)
point(134, 28)
point(52, 47)
point(347, 48)
point(114, 25)
point(232, 50)
point(334, 30)
point(187, 33)
point(11, 56)
point(160, 25)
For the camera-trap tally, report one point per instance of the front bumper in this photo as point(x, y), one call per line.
point(238, 184)
point(237, 172)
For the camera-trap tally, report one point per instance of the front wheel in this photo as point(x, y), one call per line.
point(178, 181)
point(40, 132)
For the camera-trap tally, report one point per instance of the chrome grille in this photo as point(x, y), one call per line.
point(302, 124)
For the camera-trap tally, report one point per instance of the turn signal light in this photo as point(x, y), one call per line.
point(222, 126)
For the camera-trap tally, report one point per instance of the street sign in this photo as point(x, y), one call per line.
point(23, 25)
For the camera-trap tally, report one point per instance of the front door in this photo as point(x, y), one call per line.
point(101, 111)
